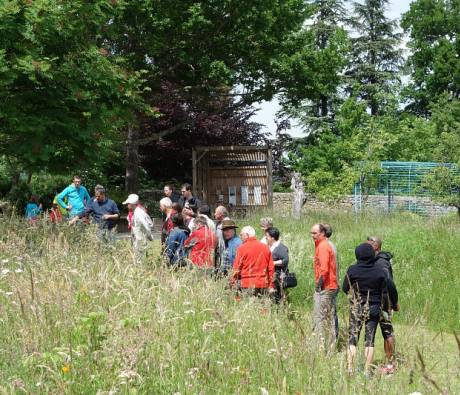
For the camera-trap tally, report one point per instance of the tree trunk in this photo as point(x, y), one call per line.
point(132, 160)
point(298, 199)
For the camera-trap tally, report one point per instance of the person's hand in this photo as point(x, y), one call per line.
point(271, 291)
point(69, 207)
point(106, 216)
point(40, 205)
point(73, 221)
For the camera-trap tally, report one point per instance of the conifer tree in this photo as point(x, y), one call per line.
point(375, 58)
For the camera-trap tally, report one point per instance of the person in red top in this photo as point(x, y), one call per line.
point(55, 214)
point(167, 225)
point(326, 286)
point(202, 243)
point(253, 265)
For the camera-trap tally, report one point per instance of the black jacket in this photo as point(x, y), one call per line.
point(383, 259)
point(281, 252)
point(368, 282)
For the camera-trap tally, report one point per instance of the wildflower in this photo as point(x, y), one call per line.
point(66, 368)
point(192, 372)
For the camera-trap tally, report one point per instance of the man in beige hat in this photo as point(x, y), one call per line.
point(231, 242)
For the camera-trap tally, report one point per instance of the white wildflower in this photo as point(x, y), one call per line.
point(263, 391)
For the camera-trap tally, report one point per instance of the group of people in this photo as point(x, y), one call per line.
point(190, 236)
point(371, 291)
point(76, 205)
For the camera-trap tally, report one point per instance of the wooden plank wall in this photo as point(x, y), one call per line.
point(217, 171)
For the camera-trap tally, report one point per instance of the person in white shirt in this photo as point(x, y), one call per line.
point(142, 226)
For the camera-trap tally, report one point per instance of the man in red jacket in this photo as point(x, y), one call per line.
point(326, 286)
point(253, 265)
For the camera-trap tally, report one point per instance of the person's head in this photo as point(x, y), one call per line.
point(199, 222)
point(187, 213)
point(186, 190)
point(220, 213)
point(168, 190)
point(132, 201)
point(228, 229)
point(191, 209)
point(247, 232)
point(98, 186)
point(318, 232)
point(327, 230)
point(33, 199)
point(177, 220)
point(76, 181)
point(165, 204)
point(364, 253)
point(266, 223)
point(100, 193)
point(375, 242)
point(177, 207)
point(272, 235)
point(205, 210)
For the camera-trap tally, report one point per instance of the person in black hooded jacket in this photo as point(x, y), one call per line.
point(365, 283)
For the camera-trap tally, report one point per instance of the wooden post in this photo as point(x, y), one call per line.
point(298, 197)
point(269, 178)
point(194, 171)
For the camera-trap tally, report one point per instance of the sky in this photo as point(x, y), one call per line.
point(267, 110)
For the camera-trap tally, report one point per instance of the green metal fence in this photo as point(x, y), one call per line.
point(397, 185)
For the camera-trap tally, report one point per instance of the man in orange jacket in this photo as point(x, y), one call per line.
point(326, 286)
point(253, 265)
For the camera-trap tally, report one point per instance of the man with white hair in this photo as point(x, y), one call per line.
point(141, 226)
point(253, 266)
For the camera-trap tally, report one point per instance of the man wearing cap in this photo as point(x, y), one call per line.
point(141, 226)
point(365, 283)
point(253, 266)
point(231, 243)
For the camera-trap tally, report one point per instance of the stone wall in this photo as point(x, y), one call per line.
point(282, 203)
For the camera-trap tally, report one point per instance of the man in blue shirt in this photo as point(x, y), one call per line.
point(103, 211)
point(232, 242)
point(77, 197)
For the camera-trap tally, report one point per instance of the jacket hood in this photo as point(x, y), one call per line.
point(385, 255)
point(364, 253)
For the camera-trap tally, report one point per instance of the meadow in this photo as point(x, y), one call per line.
point(77, 316)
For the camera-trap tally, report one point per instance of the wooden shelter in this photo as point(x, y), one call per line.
point(236, 176)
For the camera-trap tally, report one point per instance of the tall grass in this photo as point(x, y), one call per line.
point(77, 316)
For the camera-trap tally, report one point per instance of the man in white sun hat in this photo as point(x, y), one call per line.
point(141, 227)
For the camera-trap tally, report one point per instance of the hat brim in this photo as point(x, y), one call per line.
point(230, 227)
